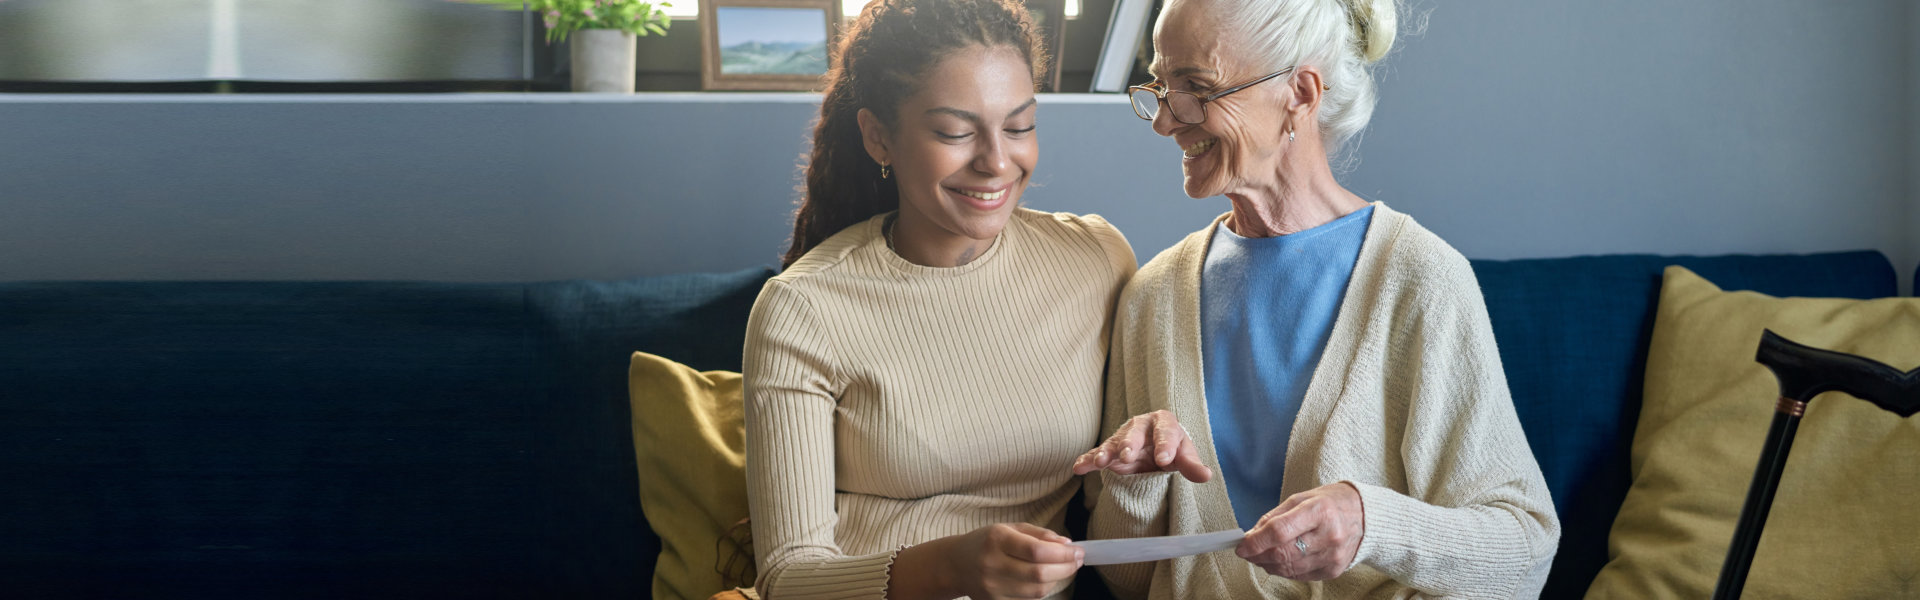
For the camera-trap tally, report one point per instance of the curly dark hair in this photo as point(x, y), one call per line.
point(877, 65)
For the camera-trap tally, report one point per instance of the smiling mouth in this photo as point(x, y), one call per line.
point(1198, 148)
point(984, 196)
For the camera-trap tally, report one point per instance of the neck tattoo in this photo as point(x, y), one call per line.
point(886, 233)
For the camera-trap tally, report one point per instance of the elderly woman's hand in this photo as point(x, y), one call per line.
point(1312, 536)
point(1145, 444)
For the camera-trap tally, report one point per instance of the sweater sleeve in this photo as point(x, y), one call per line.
point(1477, 521)
point(1125, 506)
point(790, 398)
point(1121, 261)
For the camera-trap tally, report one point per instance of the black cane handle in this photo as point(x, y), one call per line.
point(1805, 372)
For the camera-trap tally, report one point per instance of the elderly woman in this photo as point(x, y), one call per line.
point(1330, 358)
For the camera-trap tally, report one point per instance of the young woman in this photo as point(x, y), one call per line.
point(929, 363)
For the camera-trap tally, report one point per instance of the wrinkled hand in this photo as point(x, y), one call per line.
point(1146, 443)
point(1017, 560)
point(1329, 521)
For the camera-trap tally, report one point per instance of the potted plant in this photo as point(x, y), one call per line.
point(603, 52)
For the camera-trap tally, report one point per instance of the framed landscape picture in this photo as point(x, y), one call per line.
point(766, 44)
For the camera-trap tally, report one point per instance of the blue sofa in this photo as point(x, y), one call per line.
point(330, 440)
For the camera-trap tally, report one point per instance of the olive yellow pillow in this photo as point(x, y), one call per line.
point(689, 437)
point(1847, 516)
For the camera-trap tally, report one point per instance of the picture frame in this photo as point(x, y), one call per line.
point(1050, 16)
point(766, 44)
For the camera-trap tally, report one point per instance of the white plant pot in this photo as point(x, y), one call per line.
point(603, 61)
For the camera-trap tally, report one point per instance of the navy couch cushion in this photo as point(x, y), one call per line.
point(309, 440)
point(1573, 338)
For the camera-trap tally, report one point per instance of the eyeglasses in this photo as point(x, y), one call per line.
point(1187, 107)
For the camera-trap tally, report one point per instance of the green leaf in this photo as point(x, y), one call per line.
point(636, 16)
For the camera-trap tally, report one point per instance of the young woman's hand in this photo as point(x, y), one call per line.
point(1311, 536)
point(1145, 444)
point(1016, 560)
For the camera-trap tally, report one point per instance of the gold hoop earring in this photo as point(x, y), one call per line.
point(885, 170)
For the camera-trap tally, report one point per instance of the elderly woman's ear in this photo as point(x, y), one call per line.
point(1304, 91)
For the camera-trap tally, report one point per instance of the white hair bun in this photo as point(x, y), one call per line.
point(1374, 23)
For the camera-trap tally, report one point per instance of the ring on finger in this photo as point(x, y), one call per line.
point(1300, 543)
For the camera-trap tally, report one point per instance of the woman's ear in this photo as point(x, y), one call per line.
point(1304, 93)
point(873, 134)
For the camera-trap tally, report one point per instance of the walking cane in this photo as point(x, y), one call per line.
point(1804, 372)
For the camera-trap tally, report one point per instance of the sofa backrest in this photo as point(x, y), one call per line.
point(1573, 336)
point(295, 440)
point(329, 440)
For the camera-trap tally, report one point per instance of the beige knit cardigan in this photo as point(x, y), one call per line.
point(1408, 403)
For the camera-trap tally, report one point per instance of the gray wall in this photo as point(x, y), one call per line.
point(469, 187)
point(1523, 128)
point(1512, 128)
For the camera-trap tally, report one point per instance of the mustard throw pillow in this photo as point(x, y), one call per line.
point(689, 437)
point(1847, 515)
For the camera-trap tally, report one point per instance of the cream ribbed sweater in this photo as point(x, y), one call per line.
point(889, 403)
point(1408, 402)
